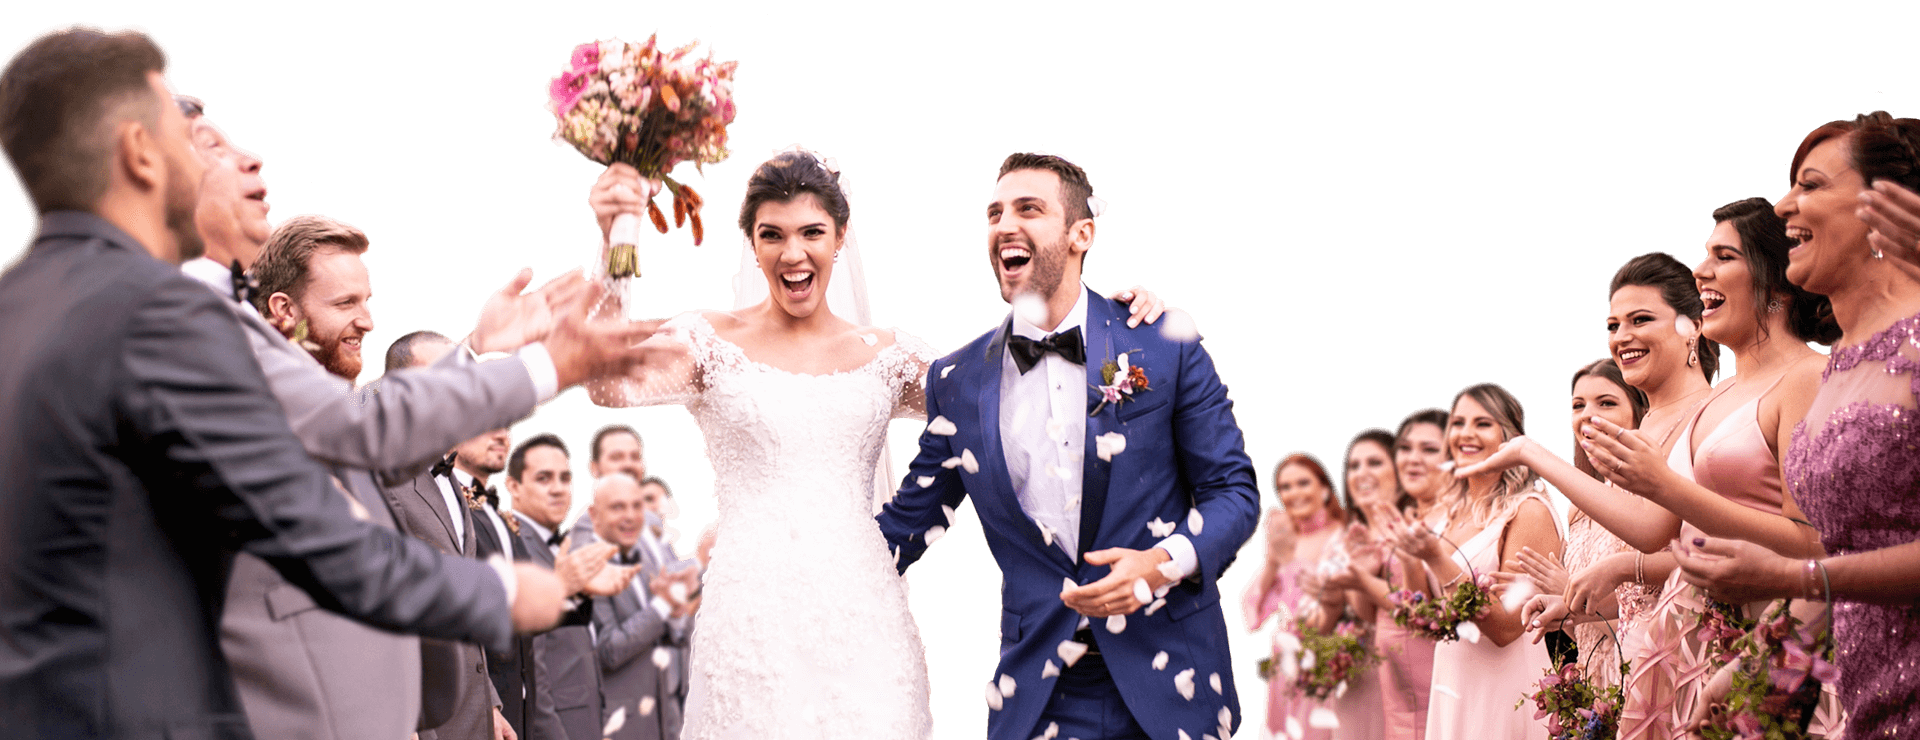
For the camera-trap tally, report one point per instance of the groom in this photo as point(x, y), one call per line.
point(1113, 495)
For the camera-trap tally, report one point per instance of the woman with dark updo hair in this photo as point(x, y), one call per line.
point(793, 400)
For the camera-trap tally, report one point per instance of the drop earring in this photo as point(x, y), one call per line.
point(1693, 354)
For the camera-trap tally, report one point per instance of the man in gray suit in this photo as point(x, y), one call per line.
point(140, 447)
point(567, 676)
point(641, 636)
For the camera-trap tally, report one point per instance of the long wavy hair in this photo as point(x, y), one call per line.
point(1506, 412)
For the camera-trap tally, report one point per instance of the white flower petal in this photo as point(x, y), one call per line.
point(678, 592)
point(1056, 430)
point(1067, 584)
point(1183, 734)
point(950, 463)
point(1117, 623)
point(924, 481)
point(946, 371)
point(1178, 326)
point(1213, 682)
point(1170, 570)
point(934, 534)
point(1226, 719)
point(662, 657)
point(1287, 642)
point(1161, 592)
point(1445, 690)
point(1195, 522)
point(948, 510)
point(1155, 606)
point(1049, 670)
point(1122, 362)
point(869, 339)
point(1183, 683)
point(1159, 528)
point(1053, 731)
point(1517, 594)
point(1141, 593)
point(1468, 631)
point(1031, 308)
point(967, 462)
point(1160, 661)
point(1061, 473)
point(1006, 685)
point(1070, 651)
point(1322, 718)
point(1073, 503)
point(1340, 690)
point(1307, 659)
point(1294, 730)
point(942, 427)
point(1046, 533)
point(1204, 736)
point(614, 722)
point(1109, 444)
point(646, 706)
point(994, 699)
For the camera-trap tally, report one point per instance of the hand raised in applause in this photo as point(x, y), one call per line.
point(537, 599)
point(585, 348)
point(686, 597)
point(511, 318)
point(585, 569)
point(1282, 537)
point(1892, 215)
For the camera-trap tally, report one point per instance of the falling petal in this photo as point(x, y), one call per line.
point(1294, 730)
point(948, 510)
point(1056, 430)
point(994, 698)
point(1161, 592)
point(1213, 682)
point(967, 462)
point(1073, 503)
point(1155, 606)
point(1340, 690)
point(614, 722)
point(1141, 593)
point(1445, 690)
point(1517, 594)
point(1031, 309)
point(869, 339)
point(1067, 585)
point(1109, 444)
point(941, 426)
point(1184, 735)
point(662, 657)
point(1070, 651)
point(1117, 623)
point(1286, 642)
point(1046, 533)
point(1062, 474)
point(1195, 522)
point(1049, 670)
point(1322, 718)
point(1468, 631)
point(1208, 737)
point(1160, 528)
point(935, 534)
point(669, 508)
point(1306, 660)
point(1183, 683)
point(677, 592)
point(1445, 466)
point(1006, 685)
point(945, 370)
point(924, 481)
point(950, 463)
point(1160, 661)
point(1178, 326)
point(646, 706)
point(1226, 718)
point(1170, 570)
point(1053, 731)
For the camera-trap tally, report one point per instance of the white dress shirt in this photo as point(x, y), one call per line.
point(1043, 431)
point(456, 503)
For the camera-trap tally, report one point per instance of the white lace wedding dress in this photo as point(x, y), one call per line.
point(804, 630)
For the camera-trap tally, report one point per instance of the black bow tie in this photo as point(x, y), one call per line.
point(1027, 352)
point(485, 493)
point(244, 286)
point(630, 557)
point(443, 469)
point(555, 539)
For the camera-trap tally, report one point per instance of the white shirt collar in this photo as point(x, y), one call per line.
point(214, 275)
point(1075, 317)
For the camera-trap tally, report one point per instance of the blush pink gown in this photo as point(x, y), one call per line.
point(1477, 685)
point(1283, 597)
point(1405, 670)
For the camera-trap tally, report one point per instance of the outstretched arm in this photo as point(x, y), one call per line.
point(918, 513)
point(1641, 523)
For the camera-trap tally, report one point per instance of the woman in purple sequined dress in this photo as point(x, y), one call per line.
point(1854, 463)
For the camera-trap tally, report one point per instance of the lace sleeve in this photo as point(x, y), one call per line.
point(907, 371)
point(672, 373)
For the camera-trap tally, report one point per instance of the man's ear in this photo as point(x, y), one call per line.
point(136, 154)
point(1080, 236)
point(281, 309)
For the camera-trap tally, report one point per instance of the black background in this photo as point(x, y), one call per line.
point(1352, 243)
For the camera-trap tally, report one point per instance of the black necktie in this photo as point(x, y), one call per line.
point(1027, 352)
point(244, 286)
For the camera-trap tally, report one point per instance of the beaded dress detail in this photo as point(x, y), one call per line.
point(1854, 465)
point(804, 631)
point(1588, 543)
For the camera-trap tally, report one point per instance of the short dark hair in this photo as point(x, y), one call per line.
point(790, 175)
point(60, 99)
point(517, 460)
point(1075, 190)
point(401, 353)
point(655, 480)
point(283, 263)
point(1764, 241)
point(1660, 271)
point(593, 448)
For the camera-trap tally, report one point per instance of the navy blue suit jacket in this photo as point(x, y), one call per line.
point(1184, 451)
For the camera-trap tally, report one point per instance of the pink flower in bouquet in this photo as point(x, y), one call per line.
point(566, 90)
point(586, 58)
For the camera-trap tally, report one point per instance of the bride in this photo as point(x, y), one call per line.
point(804, 628)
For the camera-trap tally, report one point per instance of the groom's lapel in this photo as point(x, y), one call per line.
point(994, 462)
point(1094, 472)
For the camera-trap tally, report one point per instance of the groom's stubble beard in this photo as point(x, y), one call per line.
point(1047, 270)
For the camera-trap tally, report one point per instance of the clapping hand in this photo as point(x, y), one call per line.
point(1282, 538)
point(1892, 215)
point(1589, 588)
point(684, 599)
point(1546, 571)
point(1543, 613)
point(1412, 538)
point(511, 319)
point(578, 568)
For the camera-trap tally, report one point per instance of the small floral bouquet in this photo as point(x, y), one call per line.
point(651, 109)
point(1771, 697)
point(1722, 625)
point(1445, 618)
point(1329, 661)
point(1575, 708)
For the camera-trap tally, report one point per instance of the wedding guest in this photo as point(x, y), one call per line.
point(107, 599)
point(1491, 516)
point(1406, 667)
point(1297, 533)
point(540, 479)
point(316, 280)
point(617, 447)
point(640, 638)
point(1852, 465)
point(1353, 563)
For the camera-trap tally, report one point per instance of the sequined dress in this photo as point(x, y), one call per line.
point(804, 630)
point(1588, 543)
point(1854, 464)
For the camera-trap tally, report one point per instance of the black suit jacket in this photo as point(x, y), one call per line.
point(139, 450)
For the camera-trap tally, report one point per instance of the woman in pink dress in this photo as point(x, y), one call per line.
point(1297, 534)
point(1352, 560)
point(1479, 679)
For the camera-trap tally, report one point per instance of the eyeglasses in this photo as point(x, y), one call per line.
point(190, 105)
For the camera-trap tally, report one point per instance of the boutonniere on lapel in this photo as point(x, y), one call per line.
point(1121, 381)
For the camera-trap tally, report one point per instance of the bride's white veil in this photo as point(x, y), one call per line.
point(846, 297)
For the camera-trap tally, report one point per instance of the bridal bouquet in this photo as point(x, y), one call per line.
point(1574, 708)
point(1448, 617)
point(1329, 661)
point(1771, 696)
point(651, 109)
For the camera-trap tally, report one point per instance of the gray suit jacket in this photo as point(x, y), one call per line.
point(457, 694)
point(139, 450)
point(304, 673)
point(627, 631)
point(566, 675)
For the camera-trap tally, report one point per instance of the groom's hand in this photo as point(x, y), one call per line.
point(1115, 593)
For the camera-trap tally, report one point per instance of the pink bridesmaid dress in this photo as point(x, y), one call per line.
point(1283, 597)
point(1477, 685)
point(1405, 671)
